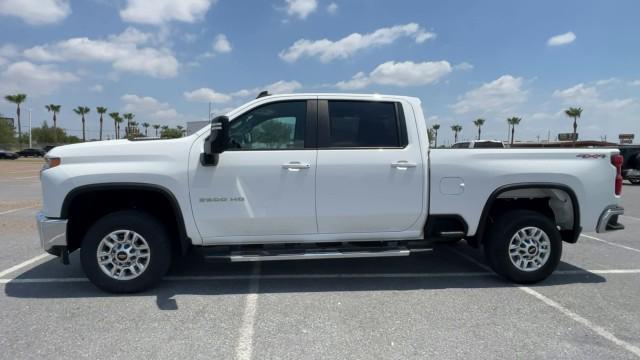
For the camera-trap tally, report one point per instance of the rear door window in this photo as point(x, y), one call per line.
point(363, 124)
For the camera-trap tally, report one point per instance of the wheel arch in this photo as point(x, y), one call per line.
point(100, 190)
point(568, 235)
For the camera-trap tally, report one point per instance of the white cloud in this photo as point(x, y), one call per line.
point(221, 44)
point(332, 8)
point(8, 50)
point(463, 66)
point(96, 88)
point(301, 8)
point(610, 81)
point(405, 73)
point(327, 50)
point(158, 12)
point(283, 87)
point(206, 95)
point(589, 97)
point(498, 96)
point(123, 51)
point(562, 39)
point(147, 108)
point(635, 83)
point(36, 12)
point(33, 79)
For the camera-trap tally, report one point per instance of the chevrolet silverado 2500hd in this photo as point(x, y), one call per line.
point(308, 176)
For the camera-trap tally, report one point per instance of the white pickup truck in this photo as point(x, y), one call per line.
point(308, 176)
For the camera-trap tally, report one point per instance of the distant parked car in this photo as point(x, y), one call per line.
point(4, 154)
point(31, 152)
point(631, 164)
point(479, 144)
point(48, 148)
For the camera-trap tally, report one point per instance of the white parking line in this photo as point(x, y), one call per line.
point(244, 348)
point(597, 329)
point(18, 209)
point(23, 264)
point(611, 243)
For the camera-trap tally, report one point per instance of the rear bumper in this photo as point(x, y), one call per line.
point(53, 234)
point(609, 219)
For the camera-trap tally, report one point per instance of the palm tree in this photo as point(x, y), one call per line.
point(435, 128)
point(156, 127)
point(575, 114)
point(456, 129)
point(513, 121)
point(128, 117)
point(101, 110)
point(146, 125)
point(118, 120)
point(479, 123)
point(54, 109)
point(115, 116)
point(17, 99)
point(82, 110)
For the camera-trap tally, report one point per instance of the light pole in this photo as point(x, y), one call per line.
point(30, 129)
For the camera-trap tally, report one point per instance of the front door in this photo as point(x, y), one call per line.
point(265, 183)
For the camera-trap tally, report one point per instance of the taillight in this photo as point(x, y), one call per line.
point(617, 160)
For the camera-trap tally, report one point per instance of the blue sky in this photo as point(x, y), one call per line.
point(165, 59)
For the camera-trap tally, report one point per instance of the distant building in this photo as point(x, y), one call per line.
point(7, 120)
point(194, 126)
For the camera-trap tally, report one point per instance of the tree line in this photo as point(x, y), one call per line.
point(573, 112)
point(131, 128)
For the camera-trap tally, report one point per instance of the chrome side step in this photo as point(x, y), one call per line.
point(265, 255)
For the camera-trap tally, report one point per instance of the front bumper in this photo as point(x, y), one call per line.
point(53, 234)
point(609, 219)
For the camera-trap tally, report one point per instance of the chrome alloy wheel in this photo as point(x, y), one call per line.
point(529, 248)
point(123, 255)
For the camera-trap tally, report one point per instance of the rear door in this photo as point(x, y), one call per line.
point(370, 175)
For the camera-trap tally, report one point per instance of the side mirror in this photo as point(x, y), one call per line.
point(217, 141)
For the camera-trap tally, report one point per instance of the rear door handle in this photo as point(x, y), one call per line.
point(403, 165)
point(295, 166)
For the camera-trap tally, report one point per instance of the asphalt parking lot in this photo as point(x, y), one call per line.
point(443, 304)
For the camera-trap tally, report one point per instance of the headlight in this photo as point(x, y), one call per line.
point(50, 162)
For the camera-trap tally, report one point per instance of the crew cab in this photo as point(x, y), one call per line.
point(309, 176)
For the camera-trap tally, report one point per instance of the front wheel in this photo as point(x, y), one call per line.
point(125, 252)
point(523, 246)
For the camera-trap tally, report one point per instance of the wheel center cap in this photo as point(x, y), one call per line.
point(532, 250)
point(122, 256)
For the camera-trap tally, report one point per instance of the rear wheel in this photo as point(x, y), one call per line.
point(523, 246)
point(126, 251)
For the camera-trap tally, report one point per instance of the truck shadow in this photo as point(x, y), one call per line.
point(447, 267)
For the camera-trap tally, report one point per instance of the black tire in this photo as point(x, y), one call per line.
point(496, 246)
point(149, 228)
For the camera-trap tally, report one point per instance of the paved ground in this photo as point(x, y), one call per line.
point(444, 304)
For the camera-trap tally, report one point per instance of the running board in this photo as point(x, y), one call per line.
point(266, 255)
